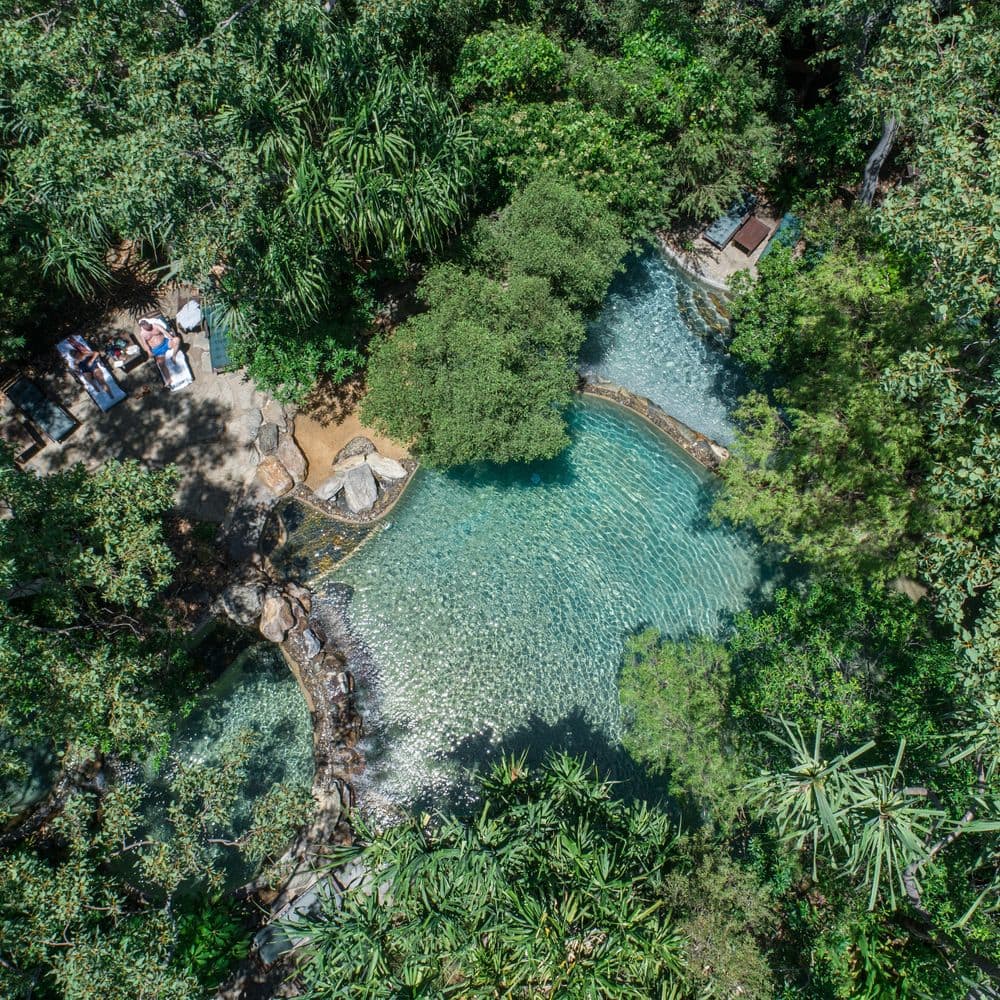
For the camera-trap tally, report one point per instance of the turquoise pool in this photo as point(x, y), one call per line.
point(491, 607)
point(654, 337)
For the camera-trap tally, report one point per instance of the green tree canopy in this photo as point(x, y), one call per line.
point(83, 661)
point(552, 887)
point(552, 230)
point(484, 374)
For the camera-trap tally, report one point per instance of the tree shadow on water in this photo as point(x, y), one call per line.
point(536, 739)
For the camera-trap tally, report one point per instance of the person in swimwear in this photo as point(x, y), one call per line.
point(159, 343)
point(88, 364)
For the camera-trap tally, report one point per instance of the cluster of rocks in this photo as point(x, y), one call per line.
point(363, 481)
point(283, 613)
point(281, 466)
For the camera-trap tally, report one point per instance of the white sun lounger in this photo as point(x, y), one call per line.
point(104, 400)
point(179, 371)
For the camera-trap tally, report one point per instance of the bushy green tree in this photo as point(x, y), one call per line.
point(84, 663)
point(551, 887)
point(551, 230)
point(87, 905)
point(483, 375)
point(509, 61)
point(827, 462)
point(860, 659)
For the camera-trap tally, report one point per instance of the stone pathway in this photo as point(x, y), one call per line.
point(206, 429)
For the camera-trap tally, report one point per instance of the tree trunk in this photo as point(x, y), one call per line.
point(869, 179)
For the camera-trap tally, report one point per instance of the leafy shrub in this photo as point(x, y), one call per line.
point(551, 230)
point(509, 61)
point(210, 938)
point(675, 696)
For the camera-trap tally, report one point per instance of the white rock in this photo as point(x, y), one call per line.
point(349, 463)
point(328, 489)
point(360, 490)
point(385, 468)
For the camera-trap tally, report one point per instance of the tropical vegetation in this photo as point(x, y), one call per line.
point(435, 195)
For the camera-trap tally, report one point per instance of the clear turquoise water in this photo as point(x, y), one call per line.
point(492, 607)
point(653, 337)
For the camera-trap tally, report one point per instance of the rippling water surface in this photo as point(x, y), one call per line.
point(493, 605)
point(653, 337)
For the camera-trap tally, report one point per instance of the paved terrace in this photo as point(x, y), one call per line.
point(206, 429)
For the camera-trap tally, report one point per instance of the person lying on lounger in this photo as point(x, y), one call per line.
point(88, 364)
point(159, 343)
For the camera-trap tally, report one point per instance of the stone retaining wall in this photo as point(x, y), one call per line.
point(701, 448)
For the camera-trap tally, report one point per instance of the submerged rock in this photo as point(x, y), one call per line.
point(385, 468)
point(360, 490)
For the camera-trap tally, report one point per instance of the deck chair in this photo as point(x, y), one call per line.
point(218, 340)
point(53, 420)
point(103, 400)
point(178, 370)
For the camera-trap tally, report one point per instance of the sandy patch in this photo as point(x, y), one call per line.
point(328, 421)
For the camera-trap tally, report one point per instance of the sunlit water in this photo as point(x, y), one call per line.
point(493, 606)
point(654, 337)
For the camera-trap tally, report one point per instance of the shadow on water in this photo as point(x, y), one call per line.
point(535, 739)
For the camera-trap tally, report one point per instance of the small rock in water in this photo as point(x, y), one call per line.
point(536, 478)
point(311, 642)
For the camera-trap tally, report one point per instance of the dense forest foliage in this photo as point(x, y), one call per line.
point(830, 769)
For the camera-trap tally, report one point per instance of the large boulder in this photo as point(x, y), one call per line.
point(385, 468)
point(359, 445)
point(274, 413)
point(276, 617)
point(352, 462)
point(329, 488)
point(267, 438)
point(360, 490)
point(244, 426)
point(273, 475)
point(243, 600)
point(291, 457)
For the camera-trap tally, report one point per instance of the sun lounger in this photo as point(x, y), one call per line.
point(720, 232)
point(103, 400)
point(218, 340)
point(46, 414)
point(178, 370)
